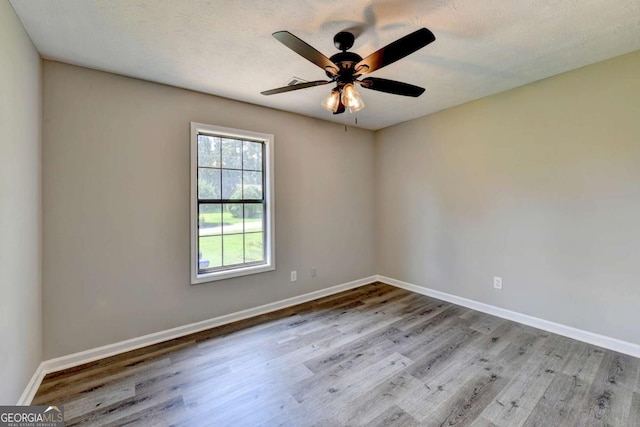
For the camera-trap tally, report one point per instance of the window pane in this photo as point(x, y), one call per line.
point(210, 219)
point(254, 249)
point(209, 252)
point(252, 182)
point(252, 158)
point(231, 184)
point(253, 217)
point(231, 154)
point(208, 151)
point(208, 183)
point(232, 219)
point(233, 249)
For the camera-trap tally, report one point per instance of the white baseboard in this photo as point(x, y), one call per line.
point(31, 389)
point(578, 334)
point(75, 359)
point(69, 361)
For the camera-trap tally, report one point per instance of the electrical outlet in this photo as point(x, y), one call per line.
point(294, 275)
point(314, 272)
point(497, 282)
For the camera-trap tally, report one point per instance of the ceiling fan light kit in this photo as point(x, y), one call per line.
point(345, 68)
point(341, 97)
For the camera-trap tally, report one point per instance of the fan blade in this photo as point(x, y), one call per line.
point(296, 87)
point(395, 51)
point(306, 51)
point(391, 86)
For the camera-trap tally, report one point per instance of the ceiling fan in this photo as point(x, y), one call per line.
point(345, 68)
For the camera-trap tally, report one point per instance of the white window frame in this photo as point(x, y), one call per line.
point(269, 227)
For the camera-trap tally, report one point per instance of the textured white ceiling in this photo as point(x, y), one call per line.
point(225, 47)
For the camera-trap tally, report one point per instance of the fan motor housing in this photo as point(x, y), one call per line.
point(346, 61)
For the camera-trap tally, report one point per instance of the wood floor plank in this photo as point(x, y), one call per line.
point(447, 348)
point(374, 355)
point(384, 299)
point(105, 396)
point(177, 378)
point(248, 409)
point(609, 398)
point(420, 312)
point(471, 399)
point(442, 388)
point(324, 398)
point(115, 413)
point(487, 324)
point(351, 373)
point(301, 416)
point(368, 324)
point(564, 396)
point(366, 407)
point(171, 412)
point(634, 412)
point(375, 342)
point(88, 386)
point(561, 400)
point(415, 342)
point(482, 422)
point(394, 416)
point(99, 371)
point(235, 384)
point(499, 339)
point(524, 346)
point(514, 403)
point(343, 339)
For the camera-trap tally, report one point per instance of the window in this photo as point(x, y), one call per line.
point(231, 203)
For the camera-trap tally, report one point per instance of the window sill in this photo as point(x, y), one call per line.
point(228, 274)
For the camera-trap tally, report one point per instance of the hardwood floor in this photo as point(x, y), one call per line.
point(375, 356)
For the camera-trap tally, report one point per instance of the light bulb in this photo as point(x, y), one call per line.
point(332, 101)
point(351, 98)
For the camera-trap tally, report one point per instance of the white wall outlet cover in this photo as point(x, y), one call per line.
point(497, 282)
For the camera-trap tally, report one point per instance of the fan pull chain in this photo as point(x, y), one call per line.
point(345, 124)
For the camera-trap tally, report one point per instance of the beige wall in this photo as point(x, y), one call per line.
point(539, 185)
point(116, 207)
point(20, 208)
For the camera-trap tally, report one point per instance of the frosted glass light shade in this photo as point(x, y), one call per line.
point(332, 101)
point(351, 98)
